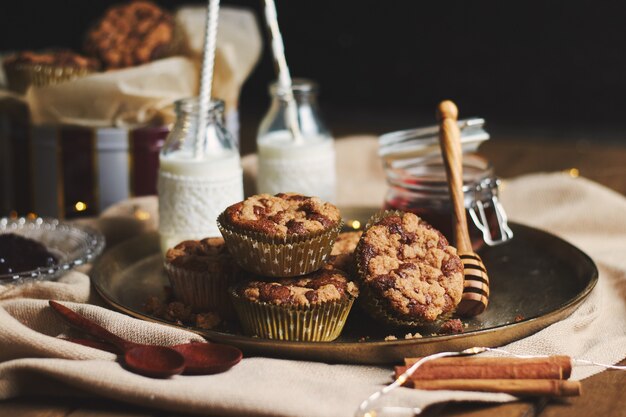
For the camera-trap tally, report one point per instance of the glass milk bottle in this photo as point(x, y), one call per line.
point(307, 165)
point(196, 183)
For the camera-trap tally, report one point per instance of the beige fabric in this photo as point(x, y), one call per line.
point(33, 360)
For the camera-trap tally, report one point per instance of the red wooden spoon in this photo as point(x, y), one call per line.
point(200, 358)
point(148, 360)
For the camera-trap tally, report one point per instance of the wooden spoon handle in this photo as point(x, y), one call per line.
point(94, 344)
point(450, 142)
point(88, 326)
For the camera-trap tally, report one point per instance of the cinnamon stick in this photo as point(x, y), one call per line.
point(521, 387)
point(552, 367)
point(534, 371)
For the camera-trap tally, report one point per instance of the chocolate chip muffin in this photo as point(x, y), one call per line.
point(342, 255)
point(200, 272)
point(40, 69)
point(409, 273)
point(133, 34)
point(284, 235)
point(309, 308)
point(283, 215)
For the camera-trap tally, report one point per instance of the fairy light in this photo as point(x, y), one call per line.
point(141, 214)
point(356, 225)
point(574, 172)
point(80, 206)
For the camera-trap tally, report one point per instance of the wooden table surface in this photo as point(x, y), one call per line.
point(603, 394)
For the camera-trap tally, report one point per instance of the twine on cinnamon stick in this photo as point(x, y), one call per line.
point(549, 384)
point(552, 367)
point(516, 376)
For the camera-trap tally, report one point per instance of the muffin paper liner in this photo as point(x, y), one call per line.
point(370, 302)
point(289, 257)
point(20, 77)
point(202, 291)
point(316, 323)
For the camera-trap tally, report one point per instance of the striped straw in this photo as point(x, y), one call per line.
point(206, 78)
point(284, 77)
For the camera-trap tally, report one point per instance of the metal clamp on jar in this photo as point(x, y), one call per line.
point(417, 181)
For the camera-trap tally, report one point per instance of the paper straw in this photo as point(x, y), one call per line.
point(206, 77)
point(284, 77)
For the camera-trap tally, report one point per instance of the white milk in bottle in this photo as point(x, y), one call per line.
point(307, 165)
point(194, 188)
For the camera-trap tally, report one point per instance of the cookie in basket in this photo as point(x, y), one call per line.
point(134, 33)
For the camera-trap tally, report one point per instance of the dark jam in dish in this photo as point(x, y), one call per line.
point(19, 254)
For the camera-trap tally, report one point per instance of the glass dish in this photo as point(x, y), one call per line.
point(73, 245)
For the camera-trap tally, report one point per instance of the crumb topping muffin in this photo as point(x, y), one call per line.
point(342, 254)
point(61, 58)
point(317, 288)
point(346, 243)
point(131, 34)
point(282, 215)
point(25, 69)
point(313, 307)
point(210, 255)
point(410, 268)
point(200, 272)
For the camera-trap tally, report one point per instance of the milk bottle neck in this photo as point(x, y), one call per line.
point(216, 141)
point(275, 122)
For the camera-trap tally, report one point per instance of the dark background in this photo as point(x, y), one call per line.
point(384, 65)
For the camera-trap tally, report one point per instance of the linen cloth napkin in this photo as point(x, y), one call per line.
point(33, 361)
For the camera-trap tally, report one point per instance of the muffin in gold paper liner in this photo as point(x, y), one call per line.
point(45, 68)
point(275, 255)
point(296, 319)
point(200, 273)
point(322, 323)
point(444, 290)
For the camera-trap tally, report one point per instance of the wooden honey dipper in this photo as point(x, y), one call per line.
point(476, 284)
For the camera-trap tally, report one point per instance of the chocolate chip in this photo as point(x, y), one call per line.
point(311, 296)
point(259, 210)
point(393, 224)
point(368, 252)
point(295, 227)
point(272, 292)
point(451, 265)
point(328, 277)
point(307, 208)
point(323, 220)
point(416, 309)
point(278, 217)
point(408, 238)
point(384, 282)
point(292, 197)
point(406, 266)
